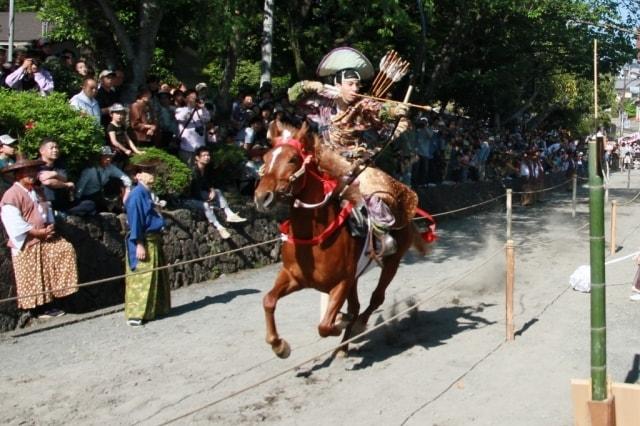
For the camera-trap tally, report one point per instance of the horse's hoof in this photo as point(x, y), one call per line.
point(343, 320)
point(341, 352)
point(282, 350)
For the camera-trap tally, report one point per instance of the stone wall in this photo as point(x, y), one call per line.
point(99, 244)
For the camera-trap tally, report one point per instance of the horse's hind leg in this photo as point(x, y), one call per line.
point(284, 285)
point(390, 266)
point(353, 309)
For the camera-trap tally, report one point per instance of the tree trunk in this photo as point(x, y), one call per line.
point(229, 73)
point(267, 45)
point(138, 52)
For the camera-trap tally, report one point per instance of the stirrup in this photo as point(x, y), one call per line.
point(388, 244)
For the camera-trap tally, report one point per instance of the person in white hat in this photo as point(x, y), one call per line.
point(7, 150)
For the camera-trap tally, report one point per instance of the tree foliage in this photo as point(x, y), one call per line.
point(498, 60)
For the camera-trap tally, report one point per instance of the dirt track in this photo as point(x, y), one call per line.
point(445, 363)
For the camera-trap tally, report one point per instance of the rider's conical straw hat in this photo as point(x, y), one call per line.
point(343, 58)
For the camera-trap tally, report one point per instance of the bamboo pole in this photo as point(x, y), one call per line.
point(574, 194)
point(598, 297)
point(614, 213)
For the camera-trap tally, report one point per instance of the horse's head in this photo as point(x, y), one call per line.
point(283, 173)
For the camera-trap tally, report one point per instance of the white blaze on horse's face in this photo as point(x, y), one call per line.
point(274, 157)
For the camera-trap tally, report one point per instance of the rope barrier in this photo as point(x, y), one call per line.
point(335, 348)
point(544, 189)
point(117, 277)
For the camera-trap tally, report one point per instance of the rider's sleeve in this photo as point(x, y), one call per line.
point(303, 88)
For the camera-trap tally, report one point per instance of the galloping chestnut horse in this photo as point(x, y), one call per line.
point(319, 251)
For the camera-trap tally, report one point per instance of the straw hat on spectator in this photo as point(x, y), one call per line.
point(23, 164)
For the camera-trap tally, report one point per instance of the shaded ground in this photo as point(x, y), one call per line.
point(444, 363)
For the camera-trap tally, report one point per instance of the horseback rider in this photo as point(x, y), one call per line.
point(350, 126)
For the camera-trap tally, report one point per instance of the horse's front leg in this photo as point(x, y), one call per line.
point(337, 296)
point(285, 284)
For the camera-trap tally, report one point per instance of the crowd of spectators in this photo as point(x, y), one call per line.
point(436, 149)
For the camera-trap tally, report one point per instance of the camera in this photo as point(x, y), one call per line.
point(200, 130)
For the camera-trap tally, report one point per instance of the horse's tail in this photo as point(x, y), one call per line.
point(421, 240)
point(418, 242)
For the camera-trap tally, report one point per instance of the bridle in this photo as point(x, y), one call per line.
point(290, 191)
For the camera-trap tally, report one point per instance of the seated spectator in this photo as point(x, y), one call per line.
point(106, 95)
point(104, 184)
point(118, 137)
point(248, 135)
point(204, 196)
point(252, 170)
point(86, 102)
point(30, 76)
point(192, 122)
point(57, 189)
point(142, 119)
point(42, 260)
point(7, 150)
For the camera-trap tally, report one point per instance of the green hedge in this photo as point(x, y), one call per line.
point(31, 117)
point(172, 175)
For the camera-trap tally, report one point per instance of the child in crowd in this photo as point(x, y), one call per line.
point(118, 137)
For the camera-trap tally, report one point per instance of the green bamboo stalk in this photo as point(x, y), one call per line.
point(598, 299)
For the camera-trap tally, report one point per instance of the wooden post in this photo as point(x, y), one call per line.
point(510, 268)
point(614, 212)
point(509, 212)
point(574, 193)
point(509, 290)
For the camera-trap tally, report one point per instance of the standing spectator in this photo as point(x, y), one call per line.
point(481, 158)
point(635, 288)
point(420, 172)
point(241, 111)
point(85, 101)
point(143, 121)
point(147, 295)
point(42, 261)
point(7, 151)
point(106, 95)
point(118, 137)
point(203, 95)
point(103, 183)
point(167, 121)
point(192, 120)
point(30, 76)
point(118, 83)
point(82, 69)
point(204, 196)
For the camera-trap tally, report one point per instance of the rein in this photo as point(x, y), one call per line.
point(329, 184)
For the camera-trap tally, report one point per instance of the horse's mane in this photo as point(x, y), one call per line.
point(328, 160)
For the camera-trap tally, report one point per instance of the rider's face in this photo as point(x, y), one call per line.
point(348, 90)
